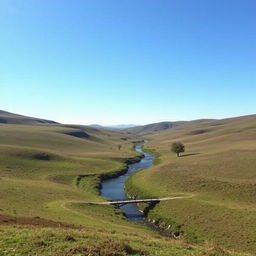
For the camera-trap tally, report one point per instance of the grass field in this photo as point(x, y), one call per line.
point(47, 172)
point(40, 165)
point(218, 169)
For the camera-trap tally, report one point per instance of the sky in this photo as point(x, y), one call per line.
point(128, 61)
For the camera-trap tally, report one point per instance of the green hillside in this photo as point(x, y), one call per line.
point(218, 169)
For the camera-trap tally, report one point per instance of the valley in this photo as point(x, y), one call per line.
point(49, 171)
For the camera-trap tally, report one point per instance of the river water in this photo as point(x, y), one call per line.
point(114, 189)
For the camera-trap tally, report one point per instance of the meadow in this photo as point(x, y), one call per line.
point(218, 169)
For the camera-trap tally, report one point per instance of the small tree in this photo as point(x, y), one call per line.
point(177, 147)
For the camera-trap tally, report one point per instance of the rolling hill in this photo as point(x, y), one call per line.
point(11, 118)
point(161, 126)
point(218, 169)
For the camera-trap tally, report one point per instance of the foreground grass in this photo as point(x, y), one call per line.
point(218, 169)
point(94, 242)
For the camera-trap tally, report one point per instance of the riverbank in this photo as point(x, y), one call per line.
point(153, 218)
point(96, 180)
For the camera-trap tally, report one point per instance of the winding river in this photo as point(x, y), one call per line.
point(114, 189)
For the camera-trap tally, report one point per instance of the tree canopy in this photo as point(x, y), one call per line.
point(177, 147)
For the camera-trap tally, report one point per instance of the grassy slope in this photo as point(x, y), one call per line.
point(218, 168)
point(11, 118)
point(158, 127)
point(39, 170)
point(39, 166)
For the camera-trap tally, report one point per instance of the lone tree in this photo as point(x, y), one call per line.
point(177, 147)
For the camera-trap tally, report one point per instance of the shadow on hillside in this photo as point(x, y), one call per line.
point(190, 154)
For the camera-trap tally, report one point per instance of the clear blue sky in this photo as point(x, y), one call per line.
point(128, 61)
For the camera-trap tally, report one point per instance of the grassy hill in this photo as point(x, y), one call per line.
point(159, 127)
point(48, 173)
point(11, 118)
point(218, 169)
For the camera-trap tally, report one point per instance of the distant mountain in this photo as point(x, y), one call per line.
point(116, 126)
point(121, 126)
point(158, 127)
point(96, 126)
point(11, 118)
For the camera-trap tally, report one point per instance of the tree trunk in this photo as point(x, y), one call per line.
point(178, 154)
